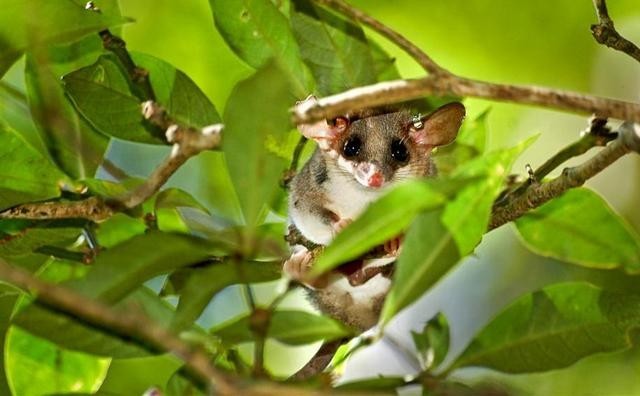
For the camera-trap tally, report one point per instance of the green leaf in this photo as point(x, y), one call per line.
point(124, 267)
point(467, 216)
point(429, 251)
point(102, 93)
point(58, 21)
point(36, 367)
point(257, 32)
point(335, 49)
point(474, 132)
point(30, 239)
point(432, 342)
point(383, 64)
point(173, 198)
point(554, 328)
point(202, 284)
point(579, 227)
point(25, 174)
point(382, 220)
point(289, 327)
point(257, 112)
point(8, 297)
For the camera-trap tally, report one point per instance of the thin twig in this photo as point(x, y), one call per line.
point(598, 134)
point(401, 90)
point(414, 51)
point(605, 33)
point(628, 140)
point(123, 323)
point(187, 142)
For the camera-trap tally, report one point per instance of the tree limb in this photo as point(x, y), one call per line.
point(605, 33)
point(536, 194)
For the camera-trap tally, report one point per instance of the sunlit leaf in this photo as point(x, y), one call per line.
point(25, 174)
point(581, 228)
point(8, 298)
point(335, 49)
point(381, 221)
point(30, 239)
point(554, 328)
point(257, 32)
point(429, 251)
point(254, 170)
point(467, 216)
point(58, 21)
point(289, 327)
point(172, 198)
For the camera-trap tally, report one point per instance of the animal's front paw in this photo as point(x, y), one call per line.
point(298, 265)
point(341, 225)
point(297, 268)
point(392, 246)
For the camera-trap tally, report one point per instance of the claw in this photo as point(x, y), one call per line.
point(392, 246)
point(297, 268)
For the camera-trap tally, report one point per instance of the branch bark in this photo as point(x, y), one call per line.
point(605, 33)
point(535, 195)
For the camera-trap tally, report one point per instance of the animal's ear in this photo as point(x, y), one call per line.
point(323, 132)
point(438, 128)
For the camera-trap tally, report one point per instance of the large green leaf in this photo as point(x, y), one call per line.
point(289, 327)
point(8, 297)
point(256, 113)
point(257, 32)
point(381, 221)
point(429, 251)
point(579, 227)
point(467, 216)
point(30, 239)
point(124, 267)
point(201, 284)
point(58, 21)
point(555, 327)
point(102, 94)
point(25, 175)
point(335, 49)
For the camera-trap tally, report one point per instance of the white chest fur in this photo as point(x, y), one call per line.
point(348, 198)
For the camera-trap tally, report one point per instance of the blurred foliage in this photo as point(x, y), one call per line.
point(71, 128)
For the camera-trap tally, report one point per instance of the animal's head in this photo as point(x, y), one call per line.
point(384, 148)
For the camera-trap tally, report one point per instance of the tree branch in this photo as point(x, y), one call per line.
point(416, 53)
point(124, 323)
point(187, 142)
point(536, 194)
point(441, 82)
point(442, 85)
point(605, 33)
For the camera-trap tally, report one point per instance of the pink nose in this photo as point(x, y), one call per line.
point(375, 180)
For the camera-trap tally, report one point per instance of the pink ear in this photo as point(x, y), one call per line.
point(322, 132)
point(440, 127)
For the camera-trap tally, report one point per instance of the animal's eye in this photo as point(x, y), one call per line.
point(352, 147)
point(399, 151)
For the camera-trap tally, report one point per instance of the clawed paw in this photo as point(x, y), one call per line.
point(341, 225)
point(392, 246)
point(297, 268)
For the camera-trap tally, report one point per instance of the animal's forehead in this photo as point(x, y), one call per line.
point(387, 124)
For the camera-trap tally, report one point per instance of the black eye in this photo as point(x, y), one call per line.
point(399, 151)
point(352, 147)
